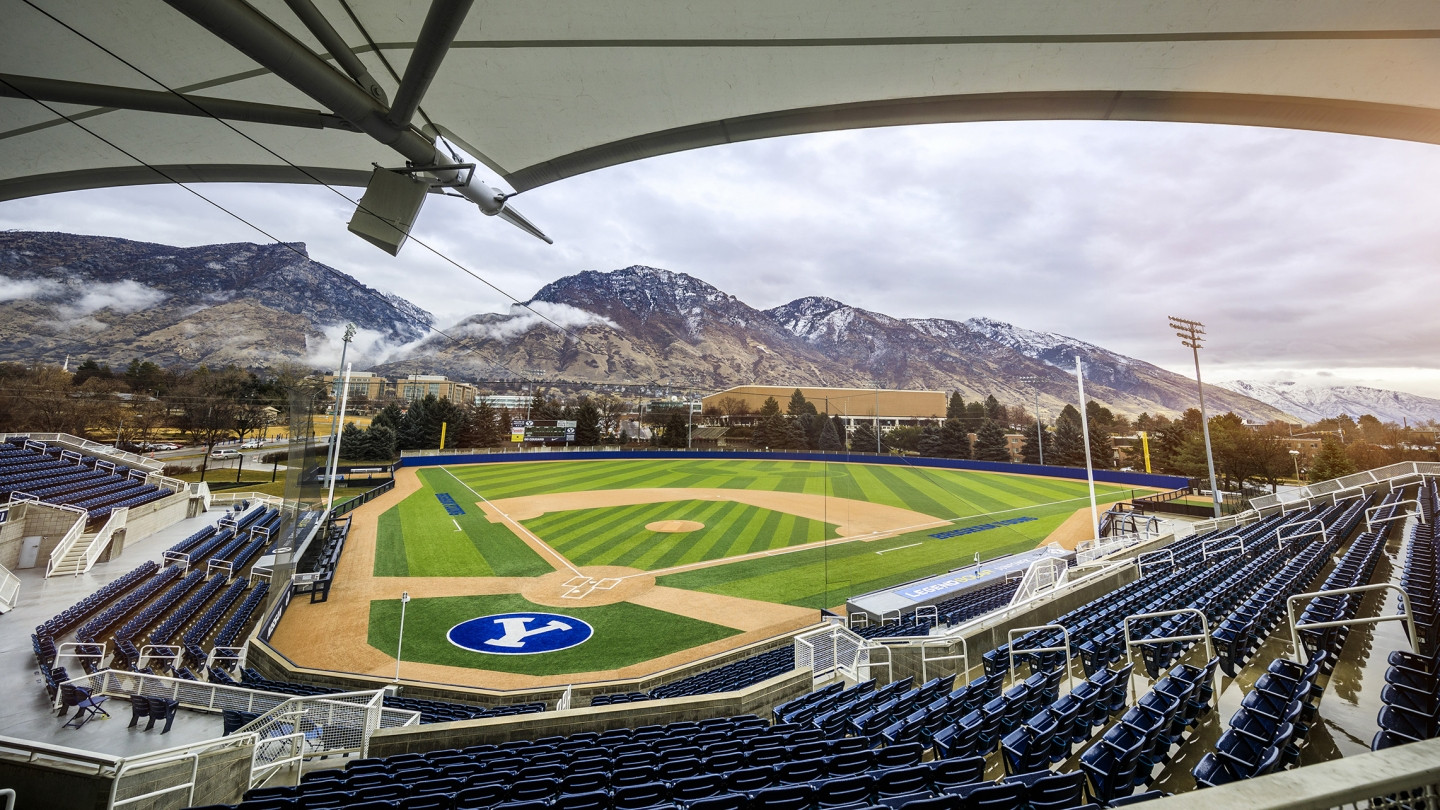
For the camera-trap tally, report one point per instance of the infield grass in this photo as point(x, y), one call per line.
point(617, 535)
point(625, 634)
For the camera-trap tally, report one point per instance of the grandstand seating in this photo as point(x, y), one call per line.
point(728, 678)
point(431, 711)
point(1411, 710)
point(55, 475)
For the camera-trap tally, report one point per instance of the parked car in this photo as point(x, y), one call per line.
point(224, 453)
point(165, 446)
point(251, 444)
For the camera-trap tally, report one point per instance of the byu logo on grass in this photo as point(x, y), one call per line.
point(520, 633)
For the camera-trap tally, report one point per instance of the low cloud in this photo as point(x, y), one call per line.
point(523, 318)
point(122, 297)
point(369, 347)
point(25, 289)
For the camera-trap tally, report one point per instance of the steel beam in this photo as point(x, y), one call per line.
point(442, 23)
point(336, 45)
point(127, 98)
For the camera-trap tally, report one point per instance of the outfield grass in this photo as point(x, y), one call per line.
point(826, 577)
point(617, 535)
point(625, 634)
point(418, 538)
point(938, 492)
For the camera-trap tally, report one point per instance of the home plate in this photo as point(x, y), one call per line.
point(580, 587)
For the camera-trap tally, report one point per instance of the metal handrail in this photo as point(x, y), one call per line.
point(1140, 560)
point(1419, 515)
point(1206, 545)
point(193, 756)
point(9, 589)
point(924, 660)
point(1204, 636)
point(1406, 615)
point(1010, 646)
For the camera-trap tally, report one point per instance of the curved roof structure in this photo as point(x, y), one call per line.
point(544, 90)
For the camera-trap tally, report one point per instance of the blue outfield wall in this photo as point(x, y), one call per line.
point(1130, 479)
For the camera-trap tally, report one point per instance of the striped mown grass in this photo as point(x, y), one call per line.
point(617, 535)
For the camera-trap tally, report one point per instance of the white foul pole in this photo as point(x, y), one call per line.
point(335, 454)
point(1089, 466)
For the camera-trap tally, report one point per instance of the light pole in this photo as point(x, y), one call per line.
point(1190, 335)
point(1085, 433)
point(1295, 457)
point(876, 386)
point(400, 640)
point(1039, 425)
point(333, 455)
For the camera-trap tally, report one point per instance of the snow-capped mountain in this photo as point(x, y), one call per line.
point(643, 324)
point(1313, 403)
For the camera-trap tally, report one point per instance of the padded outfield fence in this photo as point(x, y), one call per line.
point(490, 455)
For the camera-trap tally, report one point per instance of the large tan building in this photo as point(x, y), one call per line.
point(366, 385)
point(853, 405)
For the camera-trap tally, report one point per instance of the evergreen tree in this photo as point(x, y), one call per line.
point(794, 436)
point(1101, 452)
point(447, 419)
point(484, 426)
point(390, 416)
point(994, 411)
point(587, 423)
point(990, 442)
point(863, 439)
point(676, 431)
point(416, 425)
point(975, 415)
point(839, 426)
point(1069, 444)
point(829, 439)
point(1035, 441)
point(539, 405)
point(353, 442)
point(380, 443)
point(1330, 462)
point(808, 426)
point(955, 406)
point(799, 405)
point(769, 408)
point(929, 444)
point(954, 439)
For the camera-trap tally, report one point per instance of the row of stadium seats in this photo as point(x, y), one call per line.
point(727, 678)
point(431, 711)
point(59, 476)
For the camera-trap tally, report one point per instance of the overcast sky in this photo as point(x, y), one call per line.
point(1309, 256)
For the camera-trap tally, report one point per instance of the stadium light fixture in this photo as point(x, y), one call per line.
point(1191, 334)
point(1039, 425)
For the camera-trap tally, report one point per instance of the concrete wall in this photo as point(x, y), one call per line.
point(51, 785)
point(223, 777)
point(149, 518)
point(27, 519)
point(758, 700)
point(274, 665)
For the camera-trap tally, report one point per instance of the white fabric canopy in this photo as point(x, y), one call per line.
point(547, 89)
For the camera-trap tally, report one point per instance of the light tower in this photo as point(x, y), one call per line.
point(1039, 424)
point(1191, 335)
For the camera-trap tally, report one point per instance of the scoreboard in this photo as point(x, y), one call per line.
point(543, 431)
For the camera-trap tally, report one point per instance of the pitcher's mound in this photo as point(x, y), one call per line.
point(674, 526)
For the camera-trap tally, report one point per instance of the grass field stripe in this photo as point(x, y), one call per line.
point(713, 516)
point(598, 547)
point(897, 548)
point(723, 534)
point(516, 525)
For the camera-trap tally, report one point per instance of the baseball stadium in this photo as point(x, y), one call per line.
point(590, 628)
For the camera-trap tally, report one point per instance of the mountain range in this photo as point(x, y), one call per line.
point(1312, 403)
point(115, 299)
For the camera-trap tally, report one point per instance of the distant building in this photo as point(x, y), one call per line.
point(366, 385)
point(510, 402)
point(891, 407)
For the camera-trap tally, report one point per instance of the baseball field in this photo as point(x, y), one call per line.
point(667, 560)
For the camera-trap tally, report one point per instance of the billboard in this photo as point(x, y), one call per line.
point(543, 431)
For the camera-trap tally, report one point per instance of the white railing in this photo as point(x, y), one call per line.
point(1043, 575)
point(93, 448)
point(829, 650)
point(115, 523)
point(317, 725)
point(190, 694)
point(230, 497)
point(66, 543)
point(9, 590)
point(1088, 551)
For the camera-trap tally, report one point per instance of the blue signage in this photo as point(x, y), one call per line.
point(451, 507)
point(980, 528)
point(520, 633)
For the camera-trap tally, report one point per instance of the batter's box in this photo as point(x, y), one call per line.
point(607, 584)
point(582, 588)
point(577, 581)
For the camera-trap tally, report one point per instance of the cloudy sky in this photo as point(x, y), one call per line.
point(1309, 256)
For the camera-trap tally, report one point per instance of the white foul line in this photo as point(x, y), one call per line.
point(897, 548)
point(513, 523)
point(457, 525)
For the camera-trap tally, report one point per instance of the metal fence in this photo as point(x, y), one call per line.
point(320, 725)
point(368, 496)
point(831, 649)
point(9, 589)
